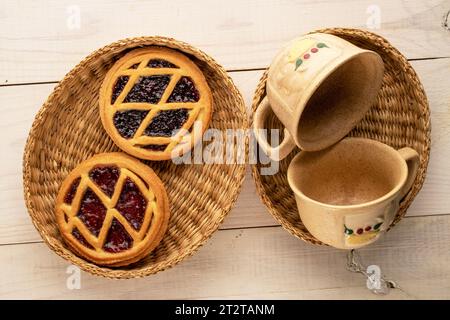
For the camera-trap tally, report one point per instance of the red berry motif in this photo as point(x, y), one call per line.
point(359, 231)
point(368, 228)
point(306, 56)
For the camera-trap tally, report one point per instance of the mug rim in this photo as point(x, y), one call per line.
point(393, 191)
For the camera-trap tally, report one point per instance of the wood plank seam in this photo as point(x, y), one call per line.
point(228, 70)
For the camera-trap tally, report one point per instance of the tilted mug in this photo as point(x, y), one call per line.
point(319, 86)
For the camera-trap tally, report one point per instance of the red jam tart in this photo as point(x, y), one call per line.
point(112, 209)
point(150, 100)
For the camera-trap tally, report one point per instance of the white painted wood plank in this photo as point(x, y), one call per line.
point(252, 263)
point(20, 103)
point(41, 40)
point(434, 196)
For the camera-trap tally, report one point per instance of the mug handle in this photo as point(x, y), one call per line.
point(284, 148)
point(412, 160)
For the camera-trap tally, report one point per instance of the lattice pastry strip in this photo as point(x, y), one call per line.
point(110, 203)
point(150, 100)
point(112, 209)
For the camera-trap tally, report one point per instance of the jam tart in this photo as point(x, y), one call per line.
point(112, 209)
point(150, 101)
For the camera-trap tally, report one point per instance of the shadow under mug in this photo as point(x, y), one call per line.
point(348, 194)
point(319, 86)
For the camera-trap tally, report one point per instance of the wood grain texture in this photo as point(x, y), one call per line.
point(253, 263)
point(250, 257)
point(42, 40)
point(20, 104)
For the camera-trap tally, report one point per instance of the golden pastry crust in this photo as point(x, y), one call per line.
point(154, 223)
point(134, 65)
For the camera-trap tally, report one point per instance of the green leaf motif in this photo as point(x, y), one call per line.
point(322, 45)
point(347, 230)
point(298, 63)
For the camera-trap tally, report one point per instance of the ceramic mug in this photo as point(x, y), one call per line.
point(319, 86)
point(348, 194)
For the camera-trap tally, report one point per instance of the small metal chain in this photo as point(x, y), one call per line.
point(379, 286)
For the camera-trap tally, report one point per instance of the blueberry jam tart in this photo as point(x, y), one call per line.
point(112, 209)
point(150, 101)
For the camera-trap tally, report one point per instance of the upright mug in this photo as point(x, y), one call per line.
point(319, 86)
point(349, 193)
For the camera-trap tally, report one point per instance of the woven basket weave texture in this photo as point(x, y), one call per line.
point(68, 130)
point(400, 117)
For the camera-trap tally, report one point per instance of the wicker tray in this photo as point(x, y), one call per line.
point(399, 118)
point(67, 130)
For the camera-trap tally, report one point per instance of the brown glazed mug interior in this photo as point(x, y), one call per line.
point(339, 102)
point(352, 172)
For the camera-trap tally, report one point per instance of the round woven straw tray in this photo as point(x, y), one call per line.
point(400, 117)
point(68, 130)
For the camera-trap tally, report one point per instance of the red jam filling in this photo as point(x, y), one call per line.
point(127, 122)
point(184, 91)
point(118, 87)
point(160, 63)
point(105, 177)
point(72, 191)
point(76, 233)
point(166, 123)
point(148, 89)
point(92, 212)
point(132, 204)
point(117, 239)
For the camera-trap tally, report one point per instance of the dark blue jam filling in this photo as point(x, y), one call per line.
point(128, 121)
point(166, 123)
point(160, 63)
point(118, 87)
point(184, 91)
point(148, 89)
point(155, 147)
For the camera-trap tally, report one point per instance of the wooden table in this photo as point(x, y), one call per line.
point(251, 256)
